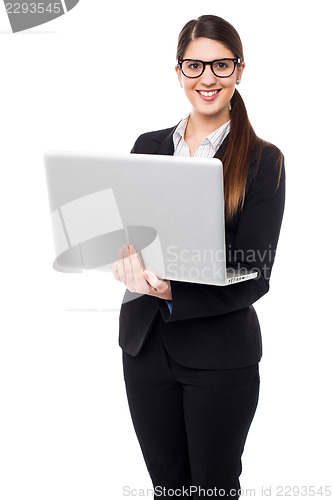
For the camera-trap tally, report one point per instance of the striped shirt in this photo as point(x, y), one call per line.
point(206, 149)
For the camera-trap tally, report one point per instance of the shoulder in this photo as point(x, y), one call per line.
point(265, 152)
point(151, 140)
point(267, 165)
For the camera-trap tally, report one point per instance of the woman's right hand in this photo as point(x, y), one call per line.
point(129, 270)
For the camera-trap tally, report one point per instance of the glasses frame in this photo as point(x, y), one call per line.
point(235, 61)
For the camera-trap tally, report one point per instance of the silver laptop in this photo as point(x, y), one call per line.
point(170, 208)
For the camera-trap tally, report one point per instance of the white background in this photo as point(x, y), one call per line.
point(94, 80)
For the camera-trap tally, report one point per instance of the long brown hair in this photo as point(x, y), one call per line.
point(242, 137)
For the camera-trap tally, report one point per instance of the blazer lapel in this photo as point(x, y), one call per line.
point(166, 142)
point(223, 146)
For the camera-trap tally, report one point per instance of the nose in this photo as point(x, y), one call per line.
point(208, 77)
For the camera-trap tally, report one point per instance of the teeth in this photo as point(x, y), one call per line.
point(208, 94)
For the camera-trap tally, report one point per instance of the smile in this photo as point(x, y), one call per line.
point(208, 96)
point(209, 93)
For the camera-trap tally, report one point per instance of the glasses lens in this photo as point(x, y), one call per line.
point(192, 68)
point(223, 67)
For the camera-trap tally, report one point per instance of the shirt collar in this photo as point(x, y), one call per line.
point(215, 138)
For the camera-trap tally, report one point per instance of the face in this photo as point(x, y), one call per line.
point(218, 106)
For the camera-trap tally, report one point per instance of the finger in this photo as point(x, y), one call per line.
point(140, 283)
point(137, 264)
point(151, 290)
point(120, 267)
point(116, 264)
point(128, 271)
point(115, 272)
point(137, 268)
point(153, 279)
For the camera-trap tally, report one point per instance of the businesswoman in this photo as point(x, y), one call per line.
point(191, 351)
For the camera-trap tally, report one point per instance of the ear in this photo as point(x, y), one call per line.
point(240, 70)
point(179, 74)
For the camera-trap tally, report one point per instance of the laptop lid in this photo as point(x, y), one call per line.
point(170, 208)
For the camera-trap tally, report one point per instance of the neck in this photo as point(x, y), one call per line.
point(201, 125)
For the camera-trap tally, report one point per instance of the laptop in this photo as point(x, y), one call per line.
point(170, 208)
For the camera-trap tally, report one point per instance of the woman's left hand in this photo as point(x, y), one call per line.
point(129, 270)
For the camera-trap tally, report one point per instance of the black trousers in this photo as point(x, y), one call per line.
point(191, 423)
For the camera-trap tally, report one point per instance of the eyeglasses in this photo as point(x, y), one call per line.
point(222, 68)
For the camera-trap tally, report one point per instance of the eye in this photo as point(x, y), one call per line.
point(193, 66)
point(221, 65)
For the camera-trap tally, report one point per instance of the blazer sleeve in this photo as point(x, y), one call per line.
point(255, 245)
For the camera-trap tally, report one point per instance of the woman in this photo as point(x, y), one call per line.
point(191, 351)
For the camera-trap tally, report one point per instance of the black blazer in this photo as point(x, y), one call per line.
point(214, 326)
